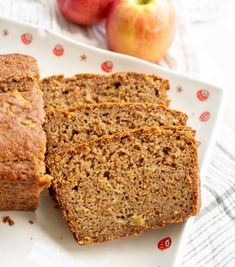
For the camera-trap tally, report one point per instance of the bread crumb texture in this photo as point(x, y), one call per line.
point(85, 122)
point(8, 220)
point(126, 183)
point(61, 92)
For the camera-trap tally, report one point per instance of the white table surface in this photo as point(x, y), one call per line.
point(215, 47)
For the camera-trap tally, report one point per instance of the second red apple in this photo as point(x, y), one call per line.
point(84, 12)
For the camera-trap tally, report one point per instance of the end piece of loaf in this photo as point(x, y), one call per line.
point(61, 92)
point(22, 139)
point(85, 122)
point(18, 72)
point(127, 183)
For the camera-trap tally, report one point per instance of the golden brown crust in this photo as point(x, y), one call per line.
point(21, 184)
point(18, 67)
point(22, 139)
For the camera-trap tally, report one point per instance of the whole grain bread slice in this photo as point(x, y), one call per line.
point(124, 184)
point(85, 122)
point(61, 92)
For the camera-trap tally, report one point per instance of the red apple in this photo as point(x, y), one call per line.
point(141, 28)
point(84, 12)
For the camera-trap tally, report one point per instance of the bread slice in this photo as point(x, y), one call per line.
point(124, 184)
point(22, 139)
point(61, 92)
point(86, 122)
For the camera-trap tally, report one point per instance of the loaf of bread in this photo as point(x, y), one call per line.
point(124, 184)
point(22, 139)
point(61, 92)
point(85, 122)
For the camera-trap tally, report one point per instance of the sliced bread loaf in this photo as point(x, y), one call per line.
point(123, 184)
point(92, 88)
point(86, 122)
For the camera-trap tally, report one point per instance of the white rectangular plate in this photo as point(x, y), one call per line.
point(48, 241)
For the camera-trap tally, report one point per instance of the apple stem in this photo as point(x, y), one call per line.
point(143, 2)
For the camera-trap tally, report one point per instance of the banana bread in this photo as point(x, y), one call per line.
point(124, 184)
point(86, 122)
point(18, 72)
point(61, 92)
point(22, 139)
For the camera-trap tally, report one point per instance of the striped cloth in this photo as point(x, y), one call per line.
point(212, 240)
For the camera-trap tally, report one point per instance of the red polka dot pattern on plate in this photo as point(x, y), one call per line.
point(58, 50)
point(205, 116)
point(165, 243)
point(26, 38)
point(107, 66)
point(203, 94)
